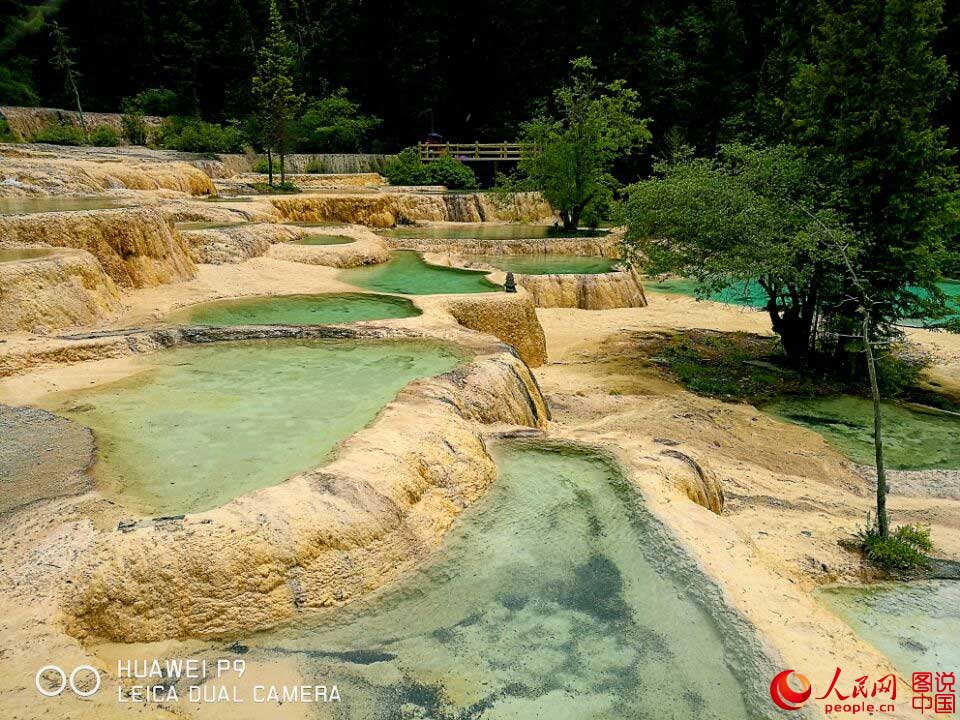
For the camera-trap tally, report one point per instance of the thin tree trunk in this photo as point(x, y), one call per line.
point(283, 176)
point(883, 523)
point(269, 167)
point(76, 97)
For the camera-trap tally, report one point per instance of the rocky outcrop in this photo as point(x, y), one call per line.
point(386, 209)
point(322, 538)
point(602, 291)
point(510, 317)
point(62, 290)
point(25, 122)
point(605, 246)
point(42, 456)
point(223, 245)
point(137, 247)
point(26, 172)
point(366, 249)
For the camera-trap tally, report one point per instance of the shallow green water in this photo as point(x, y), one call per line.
point(912, 439)
point(325, 240)
point(548, 264)
point(204, 424)
point(539, 604)
point(407, 272)
point(297, 310)
point(471, 231)
point(17, 254)
point(30, 205)
point(916, 624)
point(750, 294)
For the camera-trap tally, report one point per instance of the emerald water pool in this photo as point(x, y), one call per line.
point(548, 264)
point(487, 231)
point(203, 424)
point(546, 599)
point(408, 273)
point(58, 203)
point(750, 294)
point(913, 439)
point(296, 310)
point(914, 624)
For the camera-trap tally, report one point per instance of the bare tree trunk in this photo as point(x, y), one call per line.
point(76, 97)
point(883, 523)
point(283, 176)
point(269, 167)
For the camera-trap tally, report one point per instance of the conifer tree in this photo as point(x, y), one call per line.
point(273, 91)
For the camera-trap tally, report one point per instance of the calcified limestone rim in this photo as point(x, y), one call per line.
point(749, 657)
point(322, 537)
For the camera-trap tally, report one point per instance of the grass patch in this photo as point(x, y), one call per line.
point(902, 550)
point(743, 367)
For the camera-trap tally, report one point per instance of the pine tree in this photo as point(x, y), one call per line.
point(63, 61)
point(273, 91)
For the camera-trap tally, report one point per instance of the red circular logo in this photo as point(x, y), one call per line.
point(784, 696)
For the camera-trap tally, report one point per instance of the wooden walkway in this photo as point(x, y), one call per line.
point(473, 152)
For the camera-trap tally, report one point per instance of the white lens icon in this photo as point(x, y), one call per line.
point(64, 681)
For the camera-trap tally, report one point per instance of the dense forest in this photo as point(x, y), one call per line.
point(705, 72)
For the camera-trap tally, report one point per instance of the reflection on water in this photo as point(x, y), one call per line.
point(408, 273)
point(204, 424)
point(325, 240)
point(57, 203)
point(916, 625)
point(541, 603)
point(297, 310)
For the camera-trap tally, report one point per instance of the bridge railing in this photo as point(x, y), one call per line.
point(475, 151)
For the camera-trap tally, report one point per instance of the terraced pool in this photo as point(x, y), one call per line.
point(296, 310)
point(546, 600)
point(201, 425)
point(408, 273)
point(913, 439)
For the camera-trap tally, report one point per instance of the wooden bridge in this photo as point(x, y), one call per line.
point(473, 152)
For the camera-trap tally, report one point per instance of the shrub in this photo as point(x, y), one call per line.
point(193, 135)
point(59, 134)
point(406, 169)
point(452, 173)
point(104, 136)
point(261, 166)
point(903, 549)
point(153, 101)
point(134, 128)
point(284, 188)
point(6, 134)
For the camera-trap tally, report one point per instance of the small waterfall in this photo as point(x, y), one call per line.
point(464, 207)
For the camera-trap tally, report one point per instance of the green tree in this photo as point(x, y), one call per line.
point(751, 215)
point(273, 90)
point(864, 113)
point(577, 140)
point(63, 61)
point(333, 124)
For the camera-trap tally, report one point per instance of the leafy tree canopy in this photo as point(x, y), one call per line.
point(577, 139)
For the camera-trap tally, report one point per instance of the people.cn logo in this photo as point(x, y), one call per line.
point(784, 696)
